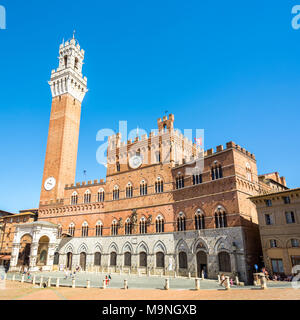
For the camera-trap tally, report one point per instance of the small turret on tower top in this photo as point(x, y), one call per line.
point(70, 56)
point(166, 123)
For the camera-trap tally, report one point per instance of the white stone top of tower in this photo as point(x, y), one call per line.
point(67, 78)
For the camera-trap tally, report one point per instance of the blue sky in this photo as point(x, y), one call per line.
point(229, 67)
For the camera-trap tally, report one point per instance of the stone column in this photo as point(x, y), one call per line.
point(14, 256)
point(50, 256)
point(33, 256)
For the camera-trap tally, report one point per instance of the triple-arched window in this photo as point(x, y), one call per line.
point(197, 178)
point(101, 195)
point(74, 198)
point(129, 190)
point(99, 229)
point(216, 171)
point(248, 172)
point(160, 224)
point(71, 229)
point(87, 196)
point(159, 185)
point(220, 218)
point(128, 226)
point(85, 229)
point(116, 193)
point(143, 225)
point(199, 220)
point(181, 222)
point(179, 182)
point(114, 228)
point(143, 188)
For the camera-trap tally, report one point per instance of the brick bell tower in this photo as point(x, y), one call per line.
point(68, 88)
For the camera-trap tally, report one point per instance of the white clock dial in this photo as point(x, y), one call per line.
point(49, 183)
point(135, 162)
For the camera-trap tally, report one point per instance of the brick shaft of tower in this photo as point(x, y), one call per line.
point(68, 88)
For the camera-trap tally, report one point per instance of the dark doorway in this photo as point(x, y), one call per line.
point(183, 260)
point(69, 260)
point(97, 261)
point(83, 260)
point(224, 262)
point(113, 259)
point(201, 263)
point(127, 259)
point(143, 259)
point(56, 258)
point(160, 260)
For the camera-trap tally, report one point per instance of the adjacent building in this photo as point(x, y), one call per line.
point(279, 225)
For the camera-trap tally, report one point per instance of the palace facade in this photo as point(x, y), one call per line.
point(157, 211)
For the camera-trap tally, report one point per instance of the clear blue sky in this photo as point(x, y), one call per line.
point(230, 67)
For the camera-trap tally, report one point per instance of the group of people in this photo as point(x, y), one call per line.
point(70, 273)
point(107, 280)
point(276, 276)
point(24, 270)
point(223, 281)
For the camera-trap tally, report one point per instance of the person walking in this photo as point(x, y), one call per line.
point(223, 279)
point(106, 280)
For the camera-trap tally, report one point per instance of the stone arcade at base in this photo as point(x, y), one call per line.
point(157, 211)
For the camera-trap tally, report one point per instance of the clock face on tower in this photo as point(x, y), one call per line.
point(49, 183)
point(135, 162)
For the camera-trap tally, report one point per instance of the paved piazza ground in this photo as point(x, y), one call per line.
point(140, 288)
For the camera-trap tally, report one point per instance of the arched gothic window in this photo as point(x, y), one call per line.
point(248, 172)
point(87, 196)
point(159, 185)
point(85, 229)
point(160, 224)
point(220, 218)
point(181, 222)
point(101, 195)
point(99, 229)
point(179, 182)
point(71, 230)
point(129, 191)
point(116, 193)
point(74, 198)
point(143, 225)
point(128, 227)
point(143, 188)
point(199, 220)
point(197, 178)
point(114, 228)
point(216, 172)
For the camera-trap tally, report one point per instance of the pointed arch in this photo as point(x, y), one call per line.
point(83, 248)
point(142, 247)
point(159, 246)
point(113, 247)
point(127, 247)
